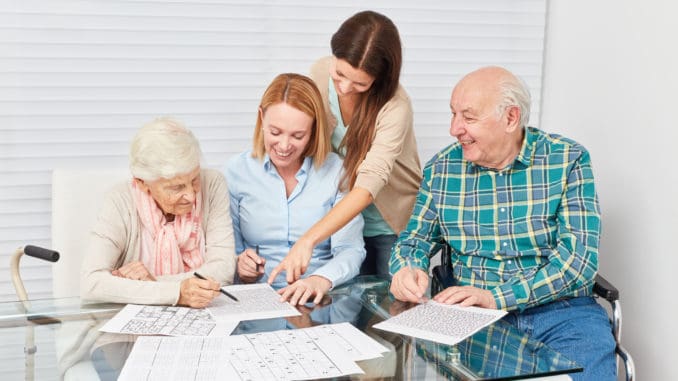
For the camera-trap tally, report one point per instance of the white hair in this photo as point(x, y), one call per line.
point(514, 92)
point(163, 148)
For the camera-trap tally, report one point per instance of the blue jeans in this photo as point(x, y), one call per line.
point(378, 253)
point(578, 328)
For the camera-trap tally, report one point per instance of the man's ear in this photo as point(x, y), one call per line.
point(512, 118)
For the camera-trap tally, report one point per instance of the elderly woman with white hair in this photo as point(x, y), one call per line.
point(153, 232)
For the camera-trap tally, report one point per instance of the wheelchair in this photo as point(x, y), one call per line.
point(443, 278)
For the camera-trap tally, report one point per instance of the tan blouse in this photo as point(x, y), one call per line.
point(391, 171)
point(116, 237)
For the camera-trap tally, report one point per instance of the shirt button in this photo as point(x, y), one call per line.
point(502, 210)
point(505, 244)
point(509, 261)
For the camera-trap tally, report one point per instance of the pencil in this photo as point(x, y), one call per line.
point(220, 289)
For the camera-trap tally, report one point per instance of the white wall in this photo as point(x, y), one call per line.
point(610, 82)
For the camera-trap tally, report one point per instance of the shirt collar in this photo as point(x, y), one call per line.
point(525, 155)
point(527, 150)
point(305, 166)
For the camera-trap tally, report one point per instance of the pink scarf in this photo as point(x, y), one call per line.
point(169, 247)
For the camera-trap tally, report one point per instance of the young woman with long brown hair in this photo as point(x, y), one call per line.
point(370, 124)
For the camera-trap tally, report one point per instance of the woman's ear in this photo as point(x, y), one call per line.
point(261, 116)
point(142, 185)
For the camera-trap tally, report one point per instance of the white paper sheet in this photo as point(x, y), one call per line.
point(255, 301)
point(349, 339)
point(442, 323)
point(300, 354)
point(167, 320)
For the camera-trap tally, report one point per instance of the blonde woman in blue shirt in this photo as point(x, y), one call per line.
point(284, 185)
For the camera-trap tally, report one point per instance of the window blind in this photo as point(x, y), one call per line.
point(78, 78)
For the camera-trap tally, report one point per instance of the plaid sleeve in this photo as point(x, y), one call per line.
point(573, 263)
point(421, 236)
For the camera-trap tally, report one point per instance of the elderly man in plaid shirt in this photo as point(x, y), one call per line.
point(519, 210)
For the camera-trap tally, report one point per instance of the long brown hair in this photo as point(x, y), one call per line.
point(301, 93)
point(368, 41)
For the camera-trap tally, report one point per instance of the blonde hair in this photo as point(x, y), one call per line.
point(163, 148)
point(301, 93)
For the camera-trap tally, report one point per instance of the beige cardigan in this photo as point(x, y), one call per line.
point(391, 171)
point(116, 240)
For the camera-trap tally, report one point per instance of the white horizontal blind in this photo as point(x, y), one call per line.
point(78, 78)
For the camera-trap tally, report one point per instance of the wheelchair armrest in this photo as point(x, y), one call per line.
point(605, 289)
point(442, 279)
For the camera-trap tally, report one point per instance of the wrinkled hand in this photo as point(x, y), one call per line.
point(466, 296)
point(409, 285)
point(197, 293)
point(247, 266)
point(295, 263)
point(135, 271)
point(299, 292)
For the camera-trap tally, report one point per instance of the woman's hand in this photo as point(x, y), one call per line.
point(197, 293)
point(135, 271)
point(302, 290)
point(250, 266)
point(295, 263)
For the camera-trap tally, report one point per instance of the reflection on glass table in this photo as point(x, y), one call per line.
point(70, 346)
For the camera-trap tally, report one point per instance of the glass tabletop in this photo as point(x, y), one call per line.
point(60, 339)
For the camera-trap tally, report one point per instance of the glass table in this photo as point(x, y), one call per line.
point(59, 339)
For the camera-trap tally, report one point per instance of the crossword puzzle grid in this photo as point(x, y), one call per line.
point(282, 355)
point(442, 319)
point(170, 321)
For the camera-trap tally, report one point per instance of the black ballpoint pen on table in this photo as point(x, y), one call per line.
point(220, 289)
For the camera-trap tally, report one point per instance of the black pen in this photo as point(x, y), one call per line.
point(257, 269)
point(220, 289)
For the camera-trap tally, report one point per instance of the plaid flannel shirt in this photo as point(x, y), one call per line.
point(528, 233)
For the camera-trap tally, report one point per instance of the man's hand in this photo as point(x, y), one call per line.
point(248, 262)
point(197, 293)
point(295, 263)
point(466, 296)
point(299, 292)
point(135, 271)
point(409, 284)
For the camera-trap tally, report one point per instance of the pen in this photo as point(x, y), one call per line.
point(220, 289)
point(257, 269)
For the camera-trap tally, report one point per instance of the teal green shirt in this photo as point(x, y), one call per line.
point(528, 233)
point(374, 222)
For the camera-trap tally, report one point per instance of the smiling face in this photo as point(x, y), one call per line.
point(176, 195)
point(347, 79)
point(287, 132)
point(489, 135)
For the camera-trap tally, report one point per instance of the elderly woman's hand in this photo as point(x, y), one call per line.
point(135, 271)
point(198, 293)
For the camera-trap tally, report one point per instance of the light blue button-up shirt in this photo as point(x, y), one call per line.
point(263, 215)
